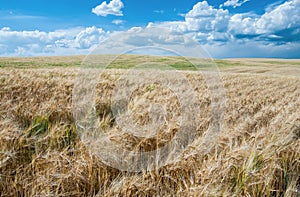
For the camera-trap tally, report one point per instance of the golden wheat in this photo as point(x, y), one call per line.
point(256, 154)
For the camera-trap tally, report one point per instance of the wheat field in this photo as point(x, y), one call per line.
point(256, 154)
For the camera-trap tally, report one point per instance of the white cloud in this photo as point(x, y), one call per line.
point(207, 20)
point(118, 22)
point(234, 3)
point(5, 29)
point(59, 42)
point(203, 22)
point(135, 29)
point(282, 18)
point(175, 26)
point(151, 40)
point(276, 33)
point(89, 37)
point(285, 16)
point(243, 24)
point(112, 8)
point(204, 18)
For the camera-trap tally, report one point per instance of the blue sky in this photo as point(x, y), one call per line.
point(225, 28)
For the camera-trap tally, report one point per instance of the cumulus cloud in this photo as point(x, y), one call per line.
point(60, 42)
point(204, 18)
point(112, 8)
point(208, 24)
point(273, 33)
point(243, 24)
point(234, 3)
point(204, 23)
point(285, 16)
point(283, 21)
point(89, 37)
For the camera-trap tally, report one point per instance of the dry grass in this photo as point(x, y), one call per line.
point(257, 153)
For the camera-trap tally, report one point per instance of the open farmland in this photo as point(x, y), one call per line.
point(256, 154)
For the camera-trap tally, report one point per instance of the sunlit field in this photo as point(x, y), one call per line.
point(257, 151)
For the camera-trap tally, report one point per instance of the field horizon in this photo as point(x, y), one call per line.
point(76, 60)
